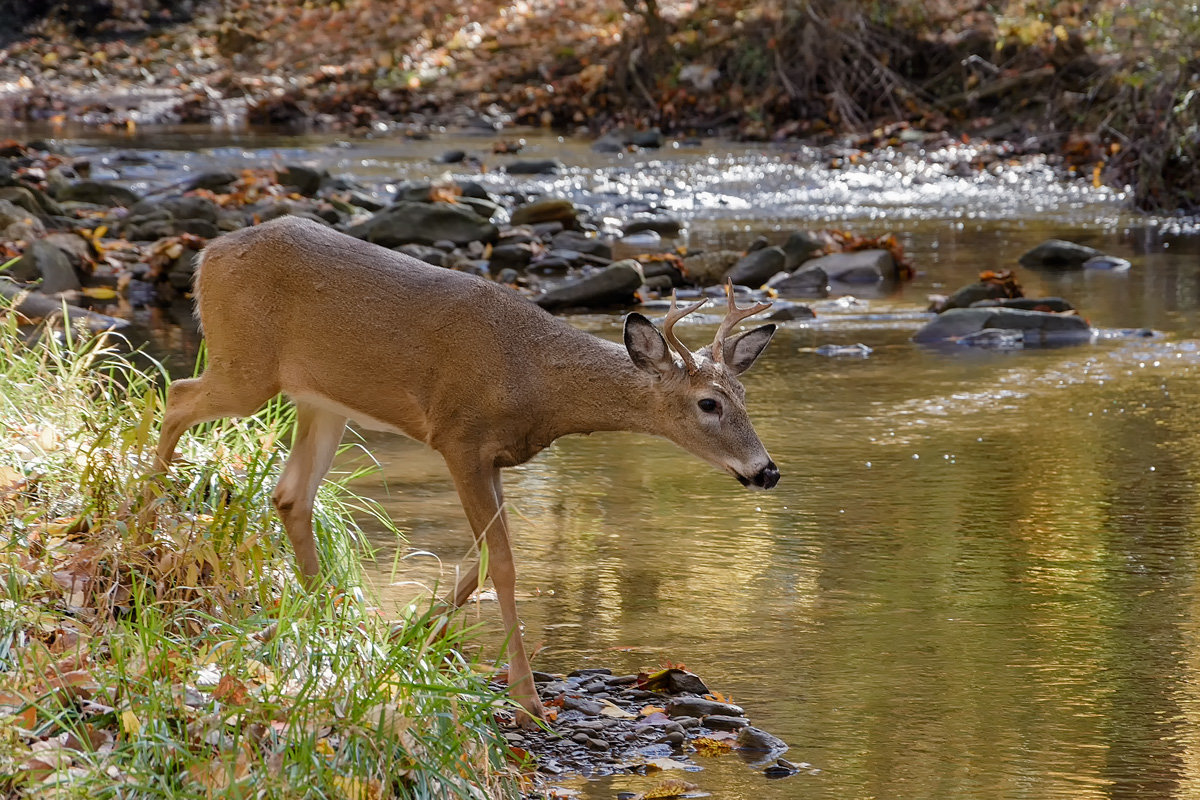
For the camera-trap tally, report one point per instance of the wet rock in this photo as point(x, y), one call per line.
point(18, 223)
point(1038, 327)
point(422, 223)
point(35, 305)
point(1058, 254)
point(651, 138)
point(32, 200)
point(510, 256)
point(756, 267)
point(78, 249)
point(758, 740)
point(616, 284)
point(861, 267)
point(215, 181)
point(609, 143)
point(1107, 262)
point(583, 705)
point(550, 209)
point(809, 281)
point(673, 738)
point(778, 770)
point(423, 252)
point(722, 722)
point(975, 292)
point(300, 179)
point(1055, 304)
point(163, 228)
point(180, 207)
point(597, 744)
point(451, 157)
point(481, 206)
point(669, 227)
point(45, 261)
point(550, 265)
point(699, 707)
point(539, 166)
point(636, 244)
point(710, 267)
point(801, 246)
point(103, 193)
point(582, 243)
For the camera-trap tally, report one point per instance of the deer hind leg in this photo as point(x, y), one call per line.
point(318, 433)
point(195, 400)
point(483, 500)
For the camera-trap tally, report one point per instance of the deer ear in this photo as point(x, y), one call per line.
point(646, 346)
point(742, 350)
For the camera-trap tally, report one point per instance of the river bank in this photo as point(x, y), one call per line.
point(1084, 89)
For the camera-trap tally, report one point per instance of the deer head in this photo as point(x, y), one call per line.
point(701, 402)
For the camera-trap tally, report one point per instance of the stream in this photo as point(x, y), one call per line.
point(978, 575)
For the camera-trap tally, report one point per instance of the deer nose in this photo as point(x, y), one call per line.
point(768, 476)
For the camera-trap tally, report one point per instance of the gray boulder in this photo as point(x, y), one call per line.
point(1055, 304)
point(424, 252)
point(44, 260)
point(699, 707)
point(104, 193)
point(1038, 327)
point(800, 247)
point(669, 227)
point(710, 267)
point(514, 256)
point(809, 281)
point(582, 243)
point(548, 209)
point(540, 166)
point(783, 311)
point(300, 179)
point(1058, 254)
point(32, 200)
point(754, 268)
point(616, 284)
point(859, 267)
point(425, 223)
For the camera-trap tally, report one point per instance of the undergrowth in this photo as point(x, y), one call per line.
point(171, 652)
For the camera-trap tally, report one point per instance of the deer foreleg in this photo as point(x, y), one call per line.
point(482, 499)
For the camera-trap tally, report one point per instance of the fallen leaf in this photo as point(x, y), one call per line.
point(610, 709)
point(232, 691)
point(708, 746)
point(665, 763)
point(648, 710)
point(130, 723)
point(99, 292)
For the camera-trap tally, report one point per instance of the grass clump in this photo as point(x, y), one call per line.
point(178, 656)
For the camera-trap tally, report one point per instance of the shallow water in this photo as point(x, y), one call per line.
point(977, 577)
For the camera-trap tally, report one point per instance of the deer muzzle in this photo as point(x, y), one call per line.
point(766, 478)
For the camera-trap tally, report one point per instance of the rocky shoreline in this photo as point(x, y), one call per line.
point(600, 723)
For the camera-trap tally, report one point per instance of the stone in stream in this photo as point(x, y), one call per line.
point(424, 223)
point(616, 284)
point(1055, 304)
point(539, 166)
point(756, 267)
point(548, 209)
point(801, 246)
point(710, 267)
point(32, 200)
point(860, 266)
point(1058, 254)
point(700, 707)
point(103, 193)
point(1107, 262)
point(424, 252)
point(723, 722)
point(301, 179)
point(808, 281)
point(758, 740)
point(1037, 327)
point(668, 227)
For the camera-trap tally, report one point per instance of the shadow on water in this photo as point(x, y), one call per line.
point(977, 577)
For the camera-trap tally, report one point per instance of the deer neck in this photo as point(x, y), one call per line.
point(596, 387)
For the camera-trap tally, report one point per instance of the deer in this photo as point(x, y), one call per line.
point(352, 331)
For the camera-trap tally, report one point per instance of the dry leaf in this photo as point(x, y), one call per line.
point(131, 724)
point(611, 709)
point(665, 763)
point(708, 746)
point(232, 691)
point(99, 292)
point(355, 788)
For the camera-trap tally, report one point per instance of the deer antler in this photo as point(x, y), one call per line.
point(732, 317)
point(676, 314)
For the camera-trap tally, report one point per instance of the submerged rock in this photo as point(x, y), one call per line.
point(1037, 327)
point(1058, 254)
point(861, 266)
point(808, 281)
point(801, 246)
point(549, 209)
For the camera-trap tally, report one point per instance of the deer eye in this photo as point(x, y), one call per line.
point(709, 406)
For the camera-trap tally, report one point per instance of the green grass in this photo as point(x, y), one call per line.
point(176, 655)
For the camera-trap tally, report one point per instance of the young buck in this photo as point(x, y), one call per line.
point(352, 331)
